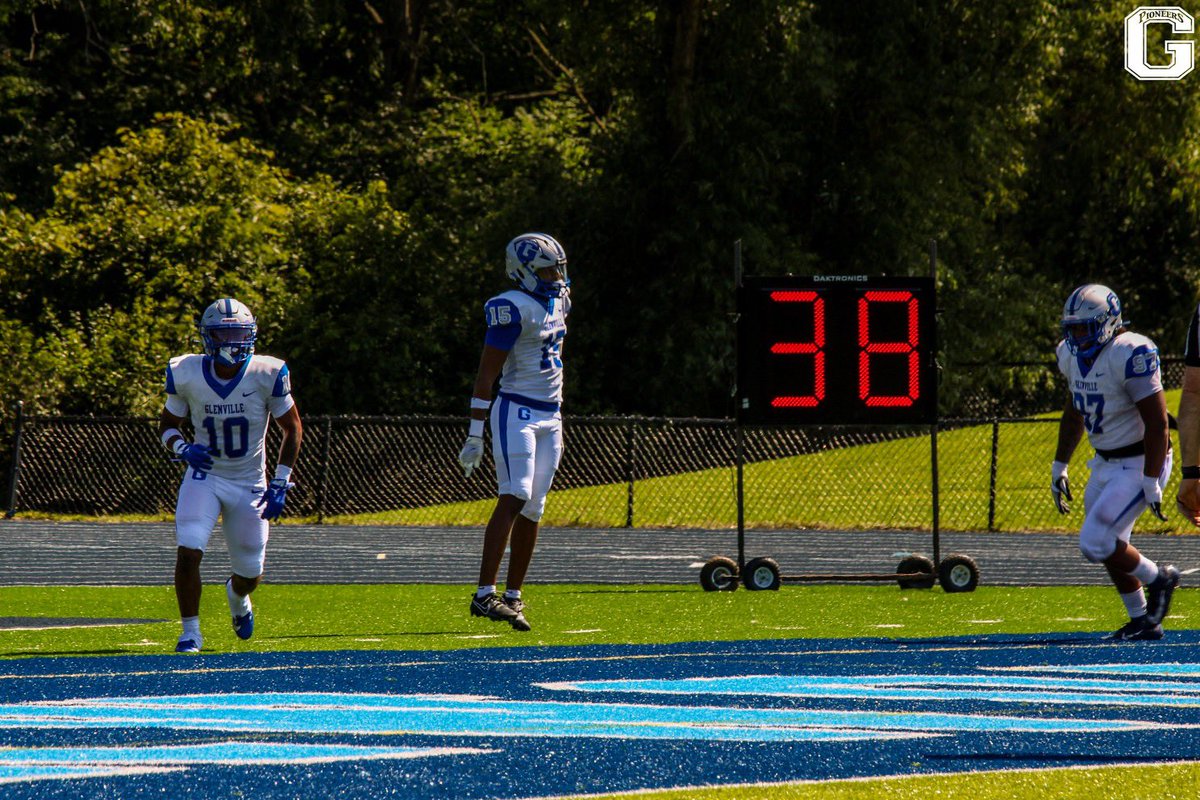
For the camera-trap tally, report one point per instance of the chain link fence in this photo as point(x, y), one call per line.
point(991, 471)
point(616, 472)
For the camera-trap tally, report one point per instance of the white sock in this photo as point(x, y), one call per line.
point(513, 594)
point(237, 605)
point(1145, 571)
point(191, 626)
point(1135, 603)
point(484, 591)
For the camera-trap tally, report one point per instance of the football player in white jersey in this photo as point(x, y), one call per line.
point(1115, 395)
point(229, 393)
point(523, 347)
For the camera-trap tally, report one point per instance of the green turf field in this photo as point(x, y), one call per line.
point(297, 617)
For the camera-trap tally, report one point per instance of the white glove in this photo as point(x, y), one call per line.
point(1153, 494)
point(471, 454)
point(1060, 487)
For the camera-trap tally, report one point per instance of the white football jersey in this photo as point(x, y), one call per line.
point(531, 329)
point(230, 416)
point(1105, 393)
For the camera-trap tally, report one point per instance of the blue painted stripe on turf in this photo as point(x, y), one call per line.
point(452, 715)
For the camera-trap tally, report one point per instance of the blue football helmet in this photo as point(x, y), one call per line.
point(228, 331)
point(1091, 318)
point(528, 253)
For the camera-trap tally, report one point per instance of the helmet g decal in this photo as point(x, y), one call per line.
point(530, 252)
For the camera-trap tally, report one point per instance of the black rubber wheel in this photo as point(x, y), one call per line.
point(761, 574)
point(915, 562)
point(958, 573)
point(719, 574)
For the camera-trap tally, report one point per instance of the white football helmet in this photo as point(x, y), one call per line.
point(1091, 318)
point(528, 253)
point(228, 331)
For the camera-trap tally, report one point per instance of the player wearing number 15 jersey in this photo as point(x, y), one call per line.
point(229, 394)
point(523, 346)
point(1115, 395)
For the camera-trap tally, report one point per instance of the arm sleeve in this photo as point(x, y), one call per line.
point(1142, 375)
point(175, 404)
point(1062, 355)
point(503, 323)
point(281, 400)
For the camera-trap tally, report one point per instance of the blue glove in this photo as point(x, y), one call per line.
point(197, 456)
point(273, 498)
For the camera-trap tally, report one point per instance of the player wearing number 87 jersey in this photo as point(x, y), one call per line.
point(1115, 395)
point(229, 393)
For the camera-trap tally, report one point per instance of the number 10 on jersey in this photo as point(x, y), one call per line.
point(837, 350)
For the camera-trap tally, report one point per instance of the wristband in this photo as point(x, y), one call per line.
point(167, 435)
point(476, 428)
point(283, 472)
point(1190, 473)
point(479, 404)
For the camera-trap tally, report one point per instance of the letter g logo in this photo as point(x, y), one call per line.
point(1182, 51)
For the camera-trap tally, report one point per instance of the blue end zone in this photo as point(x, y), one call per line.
point(543, 722)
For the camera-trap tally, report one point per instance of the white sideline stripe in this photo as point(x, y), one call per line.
point(864, 779)
point(88, 625)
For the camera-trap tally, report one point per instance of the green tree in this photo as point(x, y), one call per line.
point(138, 240)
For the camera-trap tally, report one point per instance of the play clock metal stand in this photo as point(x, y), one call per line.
point(837, 350)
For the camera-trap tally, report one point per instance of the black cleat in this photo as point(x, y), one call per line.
point(1158, 593)
point(1137, 630)
point(492, 607)
point(518, 622)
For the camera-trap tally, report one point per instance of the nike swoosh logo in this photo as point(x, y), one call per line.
point(247, 394)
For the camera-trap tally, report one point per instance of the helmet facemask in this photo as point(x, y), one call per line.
point(1091, 318)
point(228, 331)
point(230, 344)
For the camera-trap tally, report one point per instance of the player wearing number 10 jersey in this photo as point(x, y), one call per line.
point(229, 393)
point(1115, 394)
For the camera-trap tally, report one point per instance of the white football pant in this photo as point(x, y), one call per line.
point(1112, 502)
point(527, 445)
point(202, 498)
